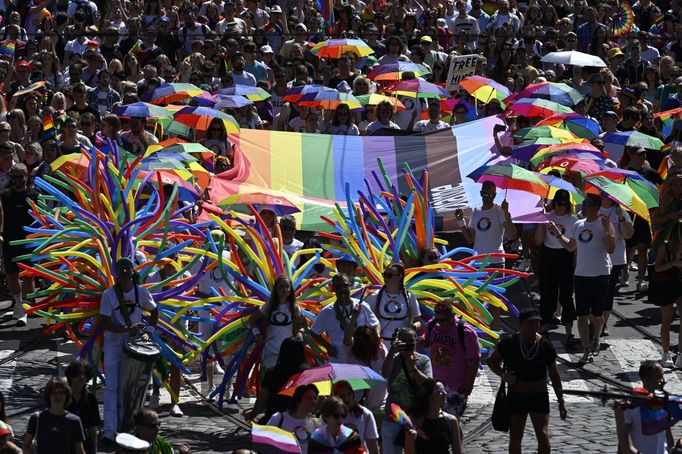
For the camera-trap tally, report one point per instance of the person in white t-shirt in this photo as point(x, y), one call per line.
point(434, 123)
point(623, 229)
point(287, 225)
point(394, 306)
point(384, 111)
point(631, 439)
point(486, 229)
point(358, 417)
point(298, 418)
point(340, 319)
point(594, 239)
point(282, 319)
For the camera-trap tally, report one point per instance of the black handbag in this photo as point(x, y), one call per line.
point(500, 417)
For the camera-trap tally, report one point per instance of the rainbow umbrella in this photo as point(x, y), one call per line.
point(252, 93)
point(359, 377)
point(231, 101)
point(536, 132)
point(510, 176)
point(142, 110)
point(620, 193)
point(394, 71)
point(561, 163)
point(584, 127)
point(33, 87)
point(171, 93)
point(484, 89)
point(418, 88)
point(331, 100)
point(527, 149)
point(551, 91)
point(536, 107)
point(556, 184)
point(334, 48)
point(294, 94)
point(200, 118)
point(616, 142)
point(175, 145)
point(624, 19)
point(277, 203)
point(645, 189)
point(563, 149)
point(203, 99)
point(374, 98)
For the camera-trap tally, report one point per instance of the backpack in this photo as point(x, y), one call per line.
point(460, 330)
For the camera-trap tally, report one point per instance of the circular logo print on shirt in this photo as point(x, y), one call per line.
point(483, 224)
point(392, 307)
point(279, 318)
point(586, 236)
point(302, 433)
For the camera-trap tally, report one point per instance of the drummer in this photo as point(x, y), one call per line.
point(121, 316)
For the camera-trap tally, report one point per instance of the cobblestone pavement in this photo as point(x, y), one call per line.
point(589, 428)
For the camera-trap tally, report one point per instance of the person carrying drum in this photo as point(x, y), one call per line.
point(121, 315)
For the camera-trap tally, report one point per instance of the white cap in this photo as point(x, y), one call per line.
point(130, 442)
point(267, 49)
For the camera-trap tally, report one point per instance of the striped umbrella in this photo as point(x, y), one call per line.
point(617, 141)
point(171, 93)
point(551, 91)
point(563, 149)
point(527, 149)
point(374, 98)
point(142, 110)
point(534, 107)
point(536, 132)
point(294, 94)
point(200, 118)
point(510, 176)
point(331, 100)
point(334, 48)
point(584, 127)
point(418, 88)
point(252, 93)
point(484, 89)
point(394, 71)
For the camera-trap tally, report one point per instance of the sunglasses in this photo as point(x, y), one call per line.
point(488, 194)
point(4, 130)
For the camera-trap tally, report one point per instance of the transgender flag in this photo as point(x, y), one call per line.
point(270, 439)
point(326, 8)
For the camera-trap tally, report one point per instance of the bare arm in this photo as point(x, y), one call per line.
point(558, 389)
point(78, 447)
point(92, 432)
point(372, 446)
point(28, 444)
point(456, 436)
point(623, 430)
point(609, 239)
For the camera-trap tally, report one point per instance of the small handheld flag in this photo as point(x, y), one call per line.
point(8, 48)
point(48, 128)
point(270, 439)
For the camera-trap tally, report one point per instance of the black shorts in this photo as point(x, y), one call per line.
point(641, 234)
point(9, 253)
point(591, 294)
point(524, 403)
point(664, 287)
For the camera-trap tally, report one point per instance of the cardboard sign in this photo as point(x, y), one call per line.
point(461, 66)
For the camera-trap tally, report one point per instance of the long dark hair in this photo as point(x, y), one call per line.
point(274, 301)
point(366, 344)
point(291, 356)
point(355, 409)
point(421, 403)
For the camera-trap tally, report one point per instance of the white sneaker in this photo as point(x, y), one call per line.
point(154, 401)
point(633, 266)
point(22, 320)
point(175, 411)
point(218, 370)
point(667, 360)
point(678, 362)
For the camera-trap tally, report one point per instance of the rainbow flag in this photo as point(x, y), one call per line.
point(270, 439)
point(48, 128)
point(318, 169)
point(659, 416)
point(326, 8)
point(8, 48)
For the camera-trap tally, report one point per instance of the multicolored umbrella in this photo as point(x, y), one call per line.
point(527, 149)
point(142, 110)
point(563, 149)
point(418, 88)
point(584, 127)
point(536, 107)
point(374, 98)
point(556, 184)
point(394, 71)
point(252, 93)
point(484, 89)
point(617, 141)
point(294, 94)
point(331, 100)
point(277, 203)
point(510, 176)
point(359, 377)
point(175, 145)
point(537, 132)
point(231, 101)
point(334, 48)
point(200, 118)
point(33, 87)
point(618, 192)
point(551, 91)
point(172, 93)
point(645, 189)
point(561, 163)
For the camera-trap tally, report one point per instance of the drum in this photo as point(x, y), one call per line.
point(138, 361)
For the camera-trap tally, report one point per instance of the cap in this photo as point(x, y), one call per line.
point(610, 113)
point(5, 429)
point(131, 443)
point(305, 29)
point(217, 234)
point(347, 258)
point(529, 314)
point(23, 64)
point(615, 52)
point(276, 9)
point(267, 49)
point(441, 22)
point(426, 39)
point(562, 195)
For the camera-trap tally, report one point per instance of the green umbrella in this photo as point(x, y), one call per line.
point(619, 192)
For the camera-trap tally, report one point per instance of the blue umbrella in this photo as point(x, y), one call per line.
point(142, 110)
point(231, 101)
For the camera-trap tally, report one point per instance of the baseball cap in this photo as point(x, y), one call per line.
point(615, 52)
point(23, 64)
point(305, 29)
point(426, 39)
point(275, 9)
point(165, 19)
point(267, 49)
point(529, 314)
point(130, 443)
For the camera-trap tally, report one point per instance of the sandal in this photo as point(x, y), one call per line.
point(571, 342)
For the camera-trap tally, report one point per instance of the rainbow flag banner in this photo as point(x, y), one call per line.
point(270, 439)
point(48, 127)
point(314, 171)
point(8, 48)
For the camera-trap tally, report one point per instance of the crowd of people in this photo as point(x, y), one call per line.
point(66, 66)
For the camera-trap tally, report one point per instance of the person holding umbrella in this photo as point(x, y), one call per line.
point(299, 419)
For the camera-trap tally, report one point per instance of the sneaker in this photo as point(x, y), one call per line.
point(22, 320)
point(678, 362)
point(642, 286)
point(571, 342)
point(218, 370)
point(667, 360)
point(624, 279)
point(633, 266)
point(175, 411)
point(604, 332)
point(522, 265)
point(154, 401)
point(586, 358)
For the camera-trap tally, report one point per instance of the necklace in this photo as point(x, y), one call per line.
point(343, 314)
point(529, 354)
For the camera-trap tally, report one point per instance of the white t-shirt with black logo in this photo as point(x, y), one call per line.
point(488, 226)
point(392, 312)
point(566, 225)
point(591, 257)
point(279, 329)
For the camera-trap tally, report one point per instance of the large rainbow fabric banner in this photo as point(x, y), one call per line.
point(312, 170)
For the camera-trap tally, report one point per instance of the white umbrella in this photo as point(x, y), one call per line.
point(575, 58)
